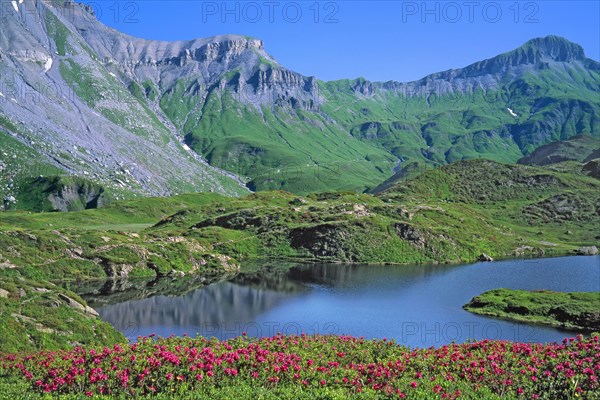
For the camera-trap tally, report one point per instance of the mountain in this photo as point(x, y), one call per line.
point(157, 118)
point(579, 148)
point(64, 111)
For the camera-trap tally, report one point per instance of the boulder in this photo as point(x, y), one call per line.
point(77, 305)
point(411, 234)
point(587, 251)
point(485, 257)
point(593, 168)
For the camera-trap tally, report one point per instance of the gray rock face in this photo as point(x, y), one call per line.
point(485, 257)
point(588, 251)
point(64, 89)
point(411, 234)
point(593, 168)
point(77, 305)
point(61, 194)
point(77, 197)
point(124, 112)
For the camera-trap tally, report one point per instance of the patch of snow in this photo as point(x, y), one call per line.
point(1, 94)
point(15, 5)
point(48, 64)
point(512, 112)
point(21, 1)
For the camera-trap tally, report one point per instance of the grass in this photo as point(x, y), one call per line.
point(33, 317)
point(577, 310)
point(59, 33)
point(269, 148)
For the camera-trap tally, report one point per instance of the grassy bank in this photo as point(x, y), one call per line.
point(41, 315)
point(578, 310)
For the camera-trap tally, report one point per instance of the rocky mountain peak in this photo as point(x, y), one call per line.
point(554, 48)
point(535, 53)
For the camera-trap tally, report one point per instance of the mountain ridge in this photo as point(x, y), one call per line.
point(253, 123)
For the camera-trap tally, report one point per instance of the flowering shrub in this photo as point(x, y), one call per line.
point(181, 365)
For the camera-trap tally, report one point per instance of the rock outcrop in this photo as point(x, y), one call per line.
point(587, 251)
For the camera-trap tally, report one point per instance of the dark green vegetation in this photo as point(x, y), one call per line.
point(455, 213)
point(578, 310)
point(579, 148)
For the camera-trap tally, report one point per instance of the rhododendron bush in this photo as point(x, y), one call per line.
point(379, 367)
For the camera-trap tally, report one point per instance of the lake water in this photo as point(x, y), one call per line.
point(415, 305)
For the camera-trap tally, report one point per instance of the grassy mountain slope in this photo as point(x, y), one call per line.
point(497, 109)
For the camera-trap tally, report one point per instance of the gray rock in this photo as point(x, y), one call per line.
point(411, 234)
point(593, 168)
point(485, 257)
point(77, 305)
point(587, 251)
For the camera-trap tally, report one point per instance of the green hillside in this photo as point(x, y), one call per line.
point(462, 212)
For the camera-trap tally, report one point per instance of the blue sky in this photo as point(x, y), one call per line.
point(378, 40)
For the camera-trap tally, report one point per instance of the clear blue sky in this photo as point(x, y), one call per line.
point(378, 40)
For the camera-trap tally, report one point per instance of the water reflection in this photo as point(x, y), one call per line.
point(216, 308)
point(416, 305)
point(114, 291)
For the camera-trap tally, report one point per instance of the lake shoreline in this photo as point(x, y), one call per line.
point(578, 311)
